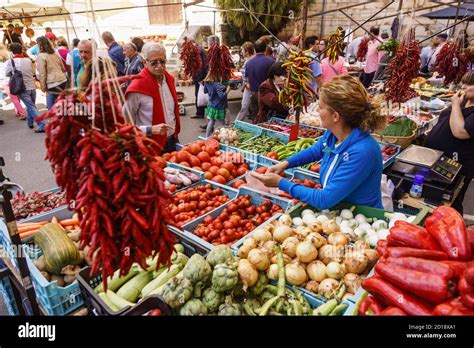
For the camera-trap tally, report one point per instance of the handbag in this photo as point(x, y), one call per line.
point(16, 84)
point(202, 98)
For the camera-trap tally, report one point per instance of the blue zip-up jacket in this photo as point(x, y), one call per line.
point(217, 95)
point(116, 54)
point(351, 172)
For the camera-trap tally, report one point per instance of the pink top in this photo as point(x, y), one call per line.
point(63, 53)
point(330, 70)
point(373, 57)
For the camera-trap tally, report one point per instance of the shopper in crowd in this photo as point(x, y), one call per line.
point(5, 81)
point(426, 54)
point(353, 47)
point(454, 134)
point(322, 48)
point(470, 54)
point(311, 42)
point(285, 47)
point(268, 103)
point(28, 97)
point(248, 51)
point(50, 35)
point(52, 73)
point(63, 50)
point(351, 166)
point(133, 61)
point(440, 41)
point(115, 52)
point(213, 40)
point(217, 104)
point(152, 101)
point(4, 57)
point(85, 49)
point(197, 80)
point(256, 72)
point(372, 58)
point(73, 61)
point(331, 70)
point(99, 68)
point(138, 44)
point(11, 36)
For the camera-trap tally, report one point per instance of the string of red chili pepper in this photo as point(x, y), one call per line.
point(219, 61)
point(403, 68)
point(363, 49)
point(451, 62)
point(191, 57)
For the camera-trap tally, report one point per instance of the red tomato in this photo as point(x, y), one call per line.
point(205, 166)
point(241, 171)
point(238, 183)
point(185, 164)
point(166, 156)
point(214, 170)
point(272, 155)
point(219, 179)
point(194, 161)
point(172, 188)
point(223, 172)
point(217, 225)
point(227, 224)
point(261, 170)
point(183, 156)
point(160, 161)
point(210, 150)
point(203, 156)
point(228, 165)
point(208, 219)
point(232, 207)
point(208, 175)
point(202, 205)
point(194, 149)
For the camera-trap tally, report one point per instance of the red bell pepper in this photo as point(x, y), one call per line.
point(447, 226)
point(469, 274)
point(395, 297)
point(421, 253)
point(391, 241)
point(430, 287)
point(381, 247)
point(452, 307)
point(470, 233)
point(422, 265)
point(466, 289)
point(392, 311)
point(458, 267)
point(412, 236)
point(370, 306)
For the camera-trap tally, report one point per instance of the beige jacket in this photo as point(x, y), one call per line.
point(51, 70)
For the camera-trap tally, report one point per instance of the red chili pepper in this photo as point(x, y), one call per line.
point(392, 242)
point(413, 236)
point(138, 218)
point(395, 297)
point(428, 286)
point(452, 307)
point(370, 306)
point(392, 311)
point(411, 252)
point(457, 267)
point(422, 265)
point(449, 229)
point(469, 274)
point(381, 247)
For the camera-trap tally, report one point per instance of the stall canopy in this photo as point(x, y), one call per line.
point(40, 12)
point(465, 10)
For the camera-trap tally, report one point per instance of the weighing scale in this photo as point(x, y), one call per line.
point(441, 173)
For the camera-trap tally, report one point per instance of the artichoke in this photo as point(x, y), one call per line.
point(198, 271)
point(224, 277)
point(193, 307)
point(176, 291)
point(219, 254)
point(238, 290)
point(230, 309)
point(259, 287)
point(180, 259)
point(212, 299)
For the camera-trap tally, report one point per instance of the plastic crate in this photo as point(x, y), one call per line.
point(289, 124)
point(256, 198)
point(235, 247)
point(392, 158)
point(8, 298)
point(95, 304)
point(284, 138)
point(268, 162)
point(303, 175)
point(185, 170)
point(248, 127)
point(148, 304)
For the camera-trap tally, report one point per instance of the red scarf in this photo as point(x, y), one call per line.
point(19, 55)
point(147, 85)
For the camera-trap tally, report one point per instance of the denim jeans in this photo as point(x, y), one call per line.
point(29, 99)
point(53, 94)
point(245, 110)
point(210, 125)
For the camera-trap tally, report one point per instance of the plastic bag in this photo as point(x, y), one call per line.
point(202, 98)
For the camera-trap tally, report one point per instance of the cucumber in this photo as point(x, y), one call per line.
point(103, 296)
point(132, 289)
point(117, 301)
point(117, 281)
point(160, 280)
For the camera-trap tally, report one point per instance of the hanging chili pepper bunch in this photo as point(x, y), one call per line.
point(424, 271)
point(335, 46)
point(220, 62)
point(402, 69)
point(191, 57)
point(452, 62)
point(363, 49)
point(109, 171)
point(297, 86)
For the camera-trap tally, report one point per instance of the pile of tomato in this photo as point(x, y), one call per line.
point(238, 219)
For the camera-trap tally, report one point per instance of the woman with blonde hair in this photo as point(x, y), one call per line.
point(4, 83)
point(351, 167)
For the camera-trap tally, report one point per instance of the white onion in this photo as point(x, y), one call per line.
point(360, 218)
point(316, 271)
point(344, 224)
point(335, 270)
point(306, 251)
point(338, 238)
point(282, 232)
point(303, 231)
point(307, 211)
point(272, 272)
point(327, 287)
point(353, 223)
point(247, 273)
point(259, 259)
point(295, 274)
point(339, 220)
point(309, 219)
point(359, 232)
point(379, 224)
point(372, 240)
point(289, 246)
point(262, 235)
point(346, 214)
point(285, 219)
point(322, 218)
point(383, 233)
point(297, 221)
point(365, 226)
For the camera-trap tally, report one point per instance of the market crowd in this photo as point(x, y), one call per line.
point(52, 65)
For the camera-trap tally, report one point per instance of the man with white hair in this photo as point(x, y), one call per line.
point(133, 61)
point(85, 48)
point(151, 100)
point(115, 52)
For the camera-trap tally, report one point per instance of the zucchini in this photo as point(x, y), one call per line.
point(160, 280)
point(117, 301)
point(117, 281)
point(103, 296)
point(132, 289)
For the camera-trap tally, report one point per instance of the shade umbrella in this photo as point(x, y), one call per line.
point(465, 10)
point(104, 8)
point(23, 10)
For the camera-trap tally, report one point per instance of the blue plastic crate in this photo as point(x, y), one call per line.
point(256, 198)
point(248, 127)
point(305, 174)
point(289, 124)
point(247, 155)
point(284, 138)
point(235, 247)
point(8, 298)
point(393, 157)
point(185, 170)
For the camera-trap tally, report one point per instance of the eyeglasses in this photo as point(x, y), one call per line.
point(154, 63)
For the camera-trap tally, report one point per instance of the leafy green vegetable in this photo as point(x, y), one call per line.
point(402, 127)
